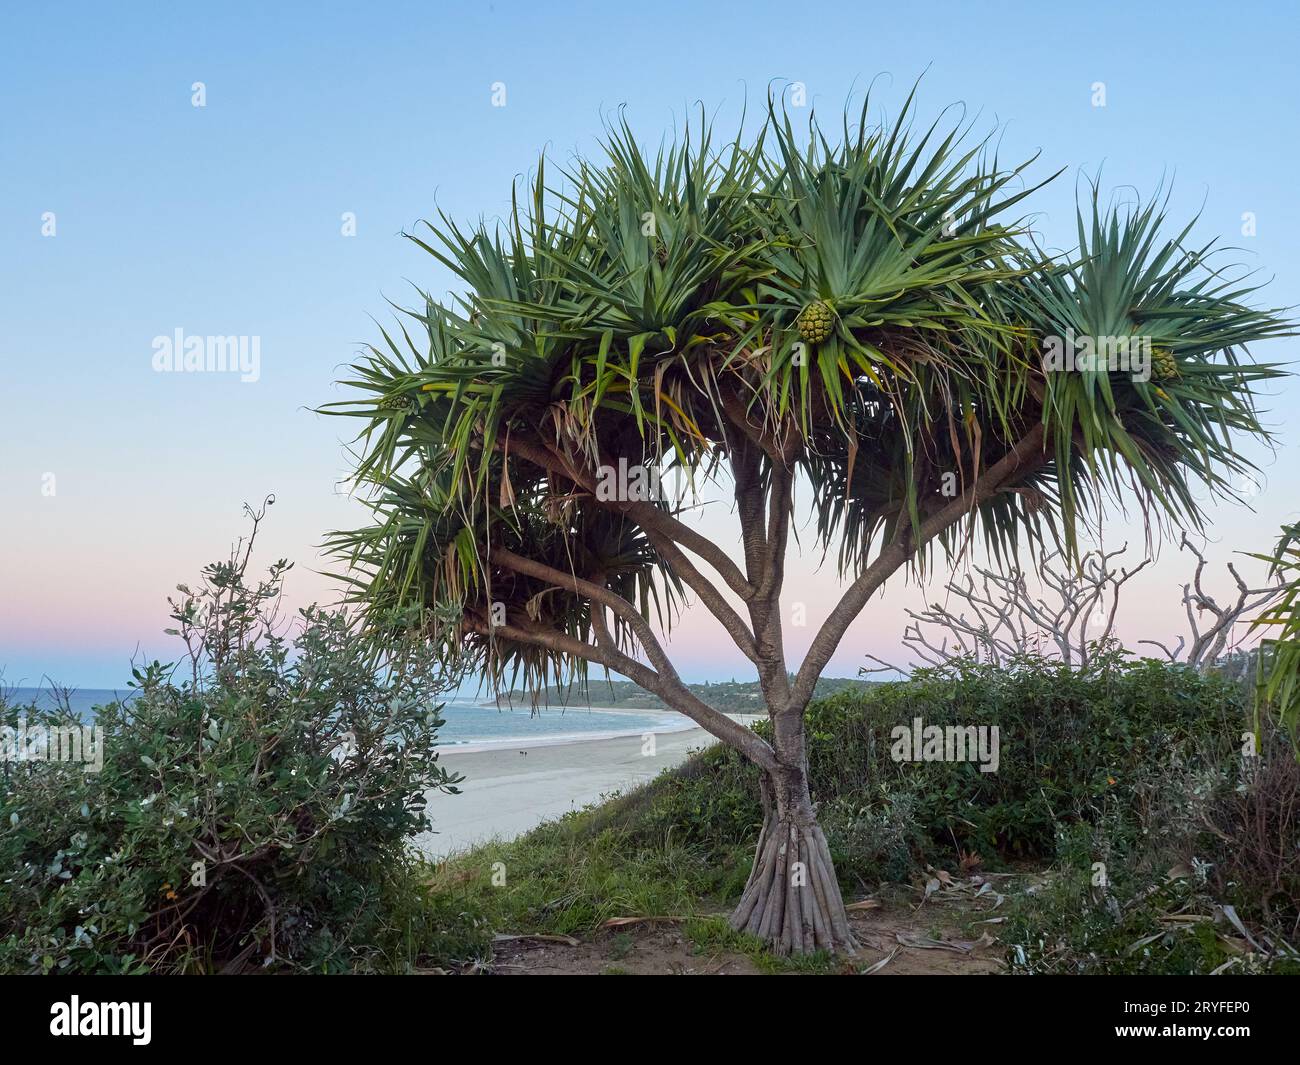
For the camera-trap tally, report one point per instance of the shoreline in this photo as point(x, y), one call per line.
point(527, 743)
point(681, 723)
point(562, 739)
point(510, 790)
point(566, 707)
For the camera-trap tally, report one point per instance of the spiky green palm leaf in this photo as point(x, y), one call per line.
point(1126, 284)
point(1279, 682)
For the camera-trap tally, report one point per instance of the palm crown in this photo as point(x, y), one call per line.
point(859, 313)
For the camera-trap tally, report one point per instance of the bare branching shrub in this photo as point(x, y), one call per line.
point(1257, 827)
point(1067, 612)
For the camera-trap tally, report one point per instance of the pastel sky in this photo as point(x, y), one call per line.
point(227, 220)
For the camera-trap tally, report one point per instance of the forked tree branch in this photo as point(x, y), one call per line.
point(1009, 620)
point(709, 595)
point(664, 533)
point(669, 688)
point(1025, 457)
point(646, 514)
point(1208, 645)
point(595, 593)
point(766, 569)
point(764, 506)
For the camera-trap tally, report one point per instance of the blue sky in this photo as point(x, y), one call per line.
point(226, 220)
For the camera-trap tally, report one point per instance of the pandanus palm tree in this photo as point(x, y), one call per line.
point(852, 313)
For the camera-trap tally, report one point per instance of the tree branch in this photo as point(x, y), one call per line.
point(672, 691)
point(1207, 646)
point(646, 514)
point(596, 593)
point(712, 599)
point(1026, 456)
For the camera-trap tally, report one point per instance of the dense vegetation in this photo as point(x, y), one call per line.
point(1281, 624)
point(255, 803)
point(252, 811)
point(296, 786)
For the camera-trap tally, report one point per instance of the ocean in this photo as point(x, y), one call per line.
point(468, 724)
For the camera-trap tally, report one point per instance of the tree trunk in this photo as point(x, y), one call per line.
point(792, 899)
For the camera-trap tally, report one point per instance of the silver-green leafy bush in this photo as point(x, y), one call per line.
point(253, 807)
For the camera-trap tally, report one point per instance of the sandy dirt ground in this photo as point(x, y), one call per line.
point(896, 939)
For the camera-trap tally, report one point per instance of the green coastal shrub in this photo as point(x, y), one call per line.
point(1073, 745)
point(1252, 835)
point(251, 812)
point(1193, 870)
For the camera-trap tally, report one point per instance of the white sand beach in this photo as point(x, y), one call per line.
point(508, 791)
